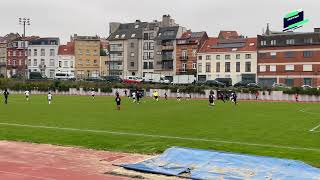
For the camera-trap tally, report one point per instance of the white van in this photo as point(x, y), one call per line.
point(64, 76)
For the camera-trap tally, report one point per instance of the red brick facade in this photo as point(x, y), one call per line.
point(16, 62)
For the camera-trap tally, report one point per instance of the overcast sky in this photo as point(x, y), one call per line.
point(62, 18)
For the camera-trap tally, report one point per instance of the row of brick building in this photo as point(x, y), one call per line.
point(166, 48)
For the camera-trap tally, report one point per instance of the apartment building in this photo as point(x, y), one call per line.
point(66, 59)
point(17, 57)
point(104, 57)
point(231, 58)
point(188, 46)
point(87, 56)
point(43, 55)
point(126, 43)
point(291, 58)
point(3, 58)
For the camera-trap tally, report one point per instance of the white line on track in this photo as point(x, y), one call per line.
point(312, 113)
point(163, 137)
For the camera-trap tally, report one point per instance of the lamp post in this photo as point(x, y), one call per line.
point(24, 22)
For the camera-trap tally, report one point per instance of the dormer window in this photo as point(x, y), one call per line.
point(123, 36)
point(290, 41)
point(136, 26)
point(117, 36)
point(133, 35)
point(263, 43)
point(273, 42)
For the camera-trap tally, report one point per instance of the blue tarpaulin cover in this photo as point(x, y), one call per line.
point(203, 164)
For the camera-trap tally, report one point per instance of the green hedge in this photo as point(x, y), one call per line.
point(299, 90)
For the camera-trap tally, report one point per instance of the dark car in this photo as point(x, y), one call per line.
point(95, 79)
point(241, 84)
point(36, 76)
point(113, 79)
point(226, 81)
point(215, 83)
point(253, 85)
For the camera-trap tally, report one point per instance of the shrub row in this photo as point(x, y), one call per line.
point(299, 90)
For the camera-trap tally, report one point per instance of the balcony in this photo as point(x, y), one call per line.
point(116, 68)
point(3, 63)
point(119, 58)
point(42, 66)
point(167, 58)
point(184, 58)
point(167, 47)
point(116, 49)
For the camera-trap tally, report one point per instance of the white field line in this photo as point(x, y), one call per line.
point(312, 113)
point(163, 137)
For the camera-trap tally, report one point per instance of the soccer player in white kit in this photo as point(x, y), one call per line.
point(49, 97)
point(93, 93)
point(27, 93)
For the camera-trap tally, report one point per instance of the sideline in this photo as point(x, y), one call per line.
point(162, 137)
point(311, 113)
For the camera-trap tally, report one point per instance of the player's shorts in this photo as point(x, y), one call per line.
point(92, 95)
point(27, 96)
point(118, 103)
point(210, 101)
point(156, 97)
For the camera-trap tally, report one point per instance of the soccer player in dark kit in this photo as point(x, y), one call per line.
point(6, 95)
point(118, 101)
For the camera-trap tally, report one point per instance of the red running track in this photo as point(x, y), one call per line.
point(27, 161)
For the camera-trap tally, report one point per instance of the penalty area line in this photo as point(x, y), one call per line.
point(161, 136)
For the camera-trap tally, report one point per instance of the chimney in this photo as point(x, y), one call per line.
point(317, 30)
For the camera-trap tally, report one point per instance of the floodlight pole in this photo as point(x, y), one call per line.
point(24, 22)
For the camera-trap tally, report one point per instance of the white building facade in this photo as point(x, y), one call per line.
point(43, 56)
point(232, 59)
point(66, 59)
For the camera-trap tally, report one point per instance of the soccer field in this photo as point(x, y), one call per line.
point(269, 129)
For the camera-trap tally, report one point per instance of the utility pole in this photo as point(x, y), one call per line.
point(24, 22)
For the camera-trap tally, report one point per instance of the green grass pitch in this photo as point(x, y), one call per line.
point(268, 129)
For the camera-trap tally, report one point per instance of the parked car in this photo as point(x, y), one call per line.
point(95, 79)
point(281, 85)
point(241, 84)
point(132, 80)
point(113, 79)
point(215, 83)
point(36, 76)
point(253, 85)
point(226, 81)
point(306, 86)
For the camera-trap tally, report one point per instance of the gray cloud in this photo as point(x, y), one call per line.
point(62, 18)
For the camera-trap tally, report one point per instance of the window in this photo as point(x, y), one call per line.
point(42, 62)
point(136, 26)
point(200, 67)
point(184, 54)
point(132, 54)
point(262, 68)
point(289, 54)
point(145, 56)
point(35, 62)
point(263, 43)
point(43, 52)
point(194, 52)
point(132, 45)
point(29, 52)
point(88, 52)
point(208, 67)
point(14, 62)
point(199, 57)
point(80, 62)
point(80, 52)
point(273, 55)
point(273, 68)
point(227, 67)
point(35, 52)
point(208, 57)
point(307, 67)
point(150, 65)
point(20, 53)
point(184, 67)
point(145, 36)
point(145, 65)
point(65, 64)
point(60, 64)
point(71, 64)
point(218, 67)
point(95, 52)
point(248, 56)
point(151, 55)
point(307, 53)
point(95, 62)
point(290, 41)
point(51, 62)
point(123, 36)
point(273, 42)
point(151, 45)
point(248, 67)
point(308, 41)
point(132, 64)
point(29, 62)
point(88, 62)
point(238, 67)
point(52, 52)
point(194, 65)
point(227, 56)
point(307, 81)
point(288, 82)
point(217, 57)
point(117, 36)
point(289, 68)
point(133, 35)
point(14, 53)
point(238, 56)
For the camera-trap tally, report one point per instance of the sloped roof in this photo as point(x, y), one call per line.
point(214, 44)
point(228, 35)
point(128, 31)
point(67, 49)
point(168, 33)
